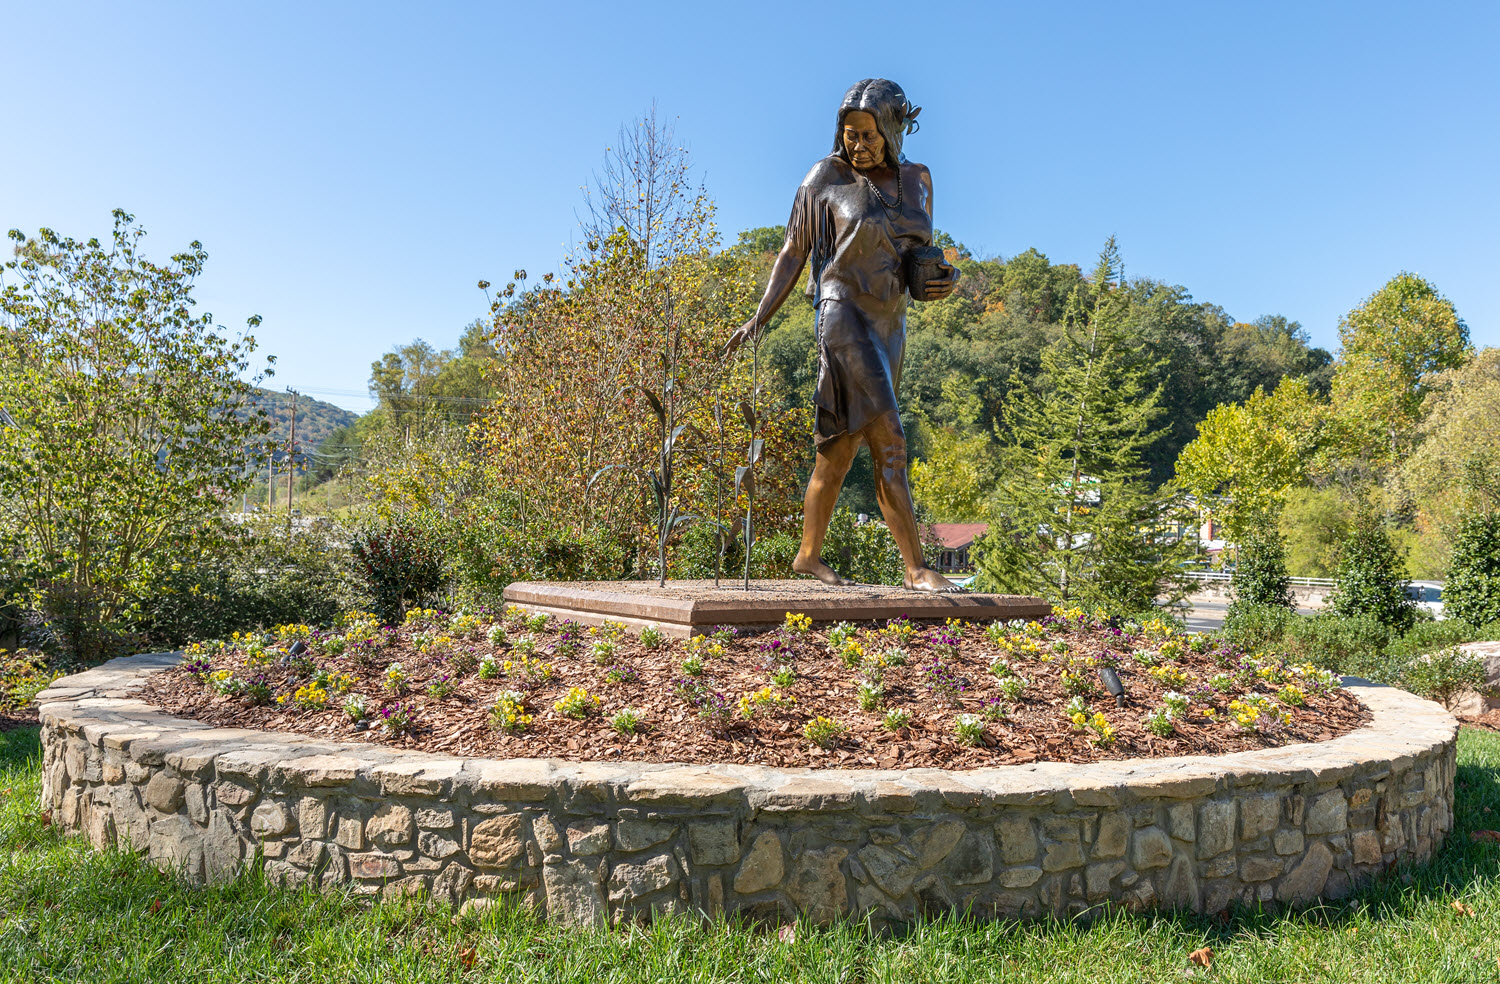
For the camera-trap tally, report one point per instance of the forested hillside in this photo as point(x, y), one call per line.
point(316, 420)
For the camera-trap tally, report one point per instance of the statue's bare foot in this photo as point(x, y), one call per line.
point(928, 579)
point(821, 571)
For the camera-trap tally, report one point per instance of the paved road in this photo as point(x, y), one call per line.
point(1208, 616)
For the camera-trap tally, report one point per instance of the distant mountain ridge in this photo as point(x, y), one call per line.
point(315, 419)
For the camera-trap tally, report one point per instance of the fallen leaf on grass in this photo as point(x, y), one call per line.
point(154, 907)
point(1482, 836)
point(1463, 909)
point(787, 934)
point(466, 958)
point(1203, 957)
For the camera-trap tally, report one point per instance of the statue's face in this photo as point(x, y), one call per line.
point(862, 140)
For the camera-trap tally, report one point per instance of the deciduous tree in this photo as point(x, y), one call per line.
point(129, 422)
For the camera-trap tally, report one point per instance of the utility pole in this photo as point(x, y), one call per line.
point(291, 453)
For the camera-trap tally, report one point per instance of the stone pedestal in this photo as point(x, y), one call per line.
point(685, 608)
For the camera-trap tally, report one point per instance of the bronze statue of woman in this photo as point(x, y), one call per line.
point(860, 215)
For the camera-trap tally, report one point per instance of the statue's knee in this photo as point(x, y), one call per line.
point(892, 462)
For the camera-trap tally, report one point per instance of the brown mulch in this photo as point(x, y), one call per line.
point(1037, 728)
point(1488, 721)
point(26, 717)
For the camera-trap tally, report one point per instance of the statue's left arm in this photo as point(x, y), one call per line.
point(936, 290)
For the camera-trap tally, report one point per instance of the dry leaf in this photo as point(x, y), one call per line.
point(1482, 836)
point(155, 906)
point(466, 958)
point(1462, 909)
point(788, 933)
point(1203, 957)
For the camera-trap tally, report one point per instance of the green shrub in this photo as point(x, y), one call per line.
point(1371, 579)
point(1444, 674)
point(1254, 626)
point(771, 556)
point(1260, 576)
point(698, 552)
point(865, 552)
point(1472, 590)
point(1425, 637)
point(485, 550)
point(1354, 645)
point(259, 574)
point(399, 565)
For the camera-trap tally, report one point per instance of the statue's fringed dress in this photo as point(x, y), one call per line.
point(856, 244)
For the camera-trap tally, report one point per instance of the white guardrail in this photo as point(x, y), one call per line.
point(1301, 582)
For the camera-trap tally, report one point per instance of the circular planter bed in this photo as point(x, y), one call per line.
point(596, 842)
point(890, 694)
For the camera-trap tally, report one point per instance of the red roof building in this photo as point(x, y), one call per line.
point(956, 540)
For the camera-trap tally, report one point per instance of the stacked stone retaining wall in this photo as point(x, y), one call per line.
point(596, 843)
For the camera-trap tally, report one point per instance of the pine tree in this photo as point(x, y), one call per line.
point(1076, 521)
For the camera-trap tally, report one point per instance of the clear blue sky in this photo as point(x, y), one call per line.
point(353, 169)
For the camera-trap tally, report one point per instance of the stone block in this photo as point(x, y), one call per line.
point(1180, 822)
point(816, 884)
point(1114, 835)
point(763, 867)
point(452, 883)
point(1305, 881)
point(164, 793)
point(931, 844)
point(1018, 844)
point(972, 861)
point(1366, 845)
point(637, 835)
point(391, 826)
point(1259, 815)
point(271, 819)
point(373, 866)
point(196, 802)
point(1178, 889)
point(496, 842)
point(1258, 868)
point(312, 816)
point(1098, 878)
point(1152, 849)
point(1215, 828)
point(350, 834)
point(1063, 856)
point(434, 818)
point(234, 793)
point(892, 872)
point(323, 770)
point(1288, 841)
point(714, 841)
point(574, 893)
point(588, 838)
point(1022, 877)
point(434, 845)
point(631, 881)
point(1328, 814)
point(547, 836)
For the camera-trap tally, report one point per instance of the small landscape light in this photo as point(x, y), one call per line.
point(1113, 685)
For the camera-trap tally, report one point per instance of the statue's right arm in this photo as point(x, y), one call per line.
point(784, 276)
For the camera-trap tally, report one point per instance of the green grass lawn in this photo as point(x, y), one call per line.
point(68, 913)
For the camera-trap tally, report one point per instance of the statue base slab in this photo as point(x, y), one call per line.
point(686, 608)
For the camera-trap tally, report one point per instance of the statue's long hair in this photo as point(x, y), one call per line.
point(894, 114)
